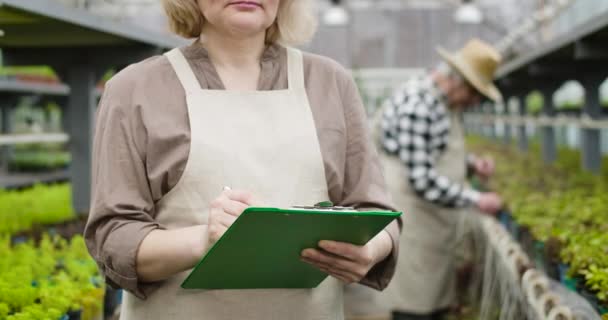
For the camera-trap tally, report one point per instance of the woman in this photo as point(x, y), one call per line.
point(234, 108)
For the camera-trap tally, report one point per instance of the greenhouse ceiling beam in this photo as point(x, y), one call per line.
point(555, 70)
point(594, 50)
point(583, 32)
point(559, 68)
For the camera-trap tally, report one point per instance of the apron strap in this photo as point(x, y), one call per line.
point(295, 70)
point(184, 72)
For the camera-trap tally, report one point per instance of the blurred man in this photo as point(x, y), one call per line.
point(426, 169)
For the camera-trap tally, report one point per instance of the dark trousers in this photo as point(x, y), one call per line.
point(439, 315)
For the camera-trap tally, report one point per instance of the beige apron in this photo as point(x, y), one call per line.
point(425, 277)
point(262, 141)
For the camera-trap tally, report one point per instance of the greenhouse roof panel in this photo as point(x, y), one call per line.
point(46, 23)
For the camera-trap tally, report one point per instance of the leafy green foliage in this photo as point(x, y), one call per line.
point(39, 160)
point(534, 102)
point(559, 201)
point(40, 205)
point(48, 280)
point(42, 71)
point(597, 279)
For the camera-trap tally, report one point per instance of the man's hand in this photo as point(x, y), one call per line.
point(489, 203)
point(484, 167)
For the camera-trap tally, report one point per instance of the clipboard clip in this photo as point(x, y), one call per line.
point(325, 205)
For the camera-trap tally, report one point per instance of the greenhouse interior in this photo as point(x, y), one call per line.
point(432, 159)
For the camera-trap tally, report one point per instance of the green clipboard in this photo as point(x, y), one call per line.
point(261, 250)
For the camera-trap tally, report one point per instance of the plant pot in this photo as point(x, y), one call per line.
point(591, 298)
point(111, 301)
point(553, 248)
point(527, 241)
point(18, 239)
point(539, 255)
point(75, 315)
point(505, 219)
point(515, 230)
point(564, 279)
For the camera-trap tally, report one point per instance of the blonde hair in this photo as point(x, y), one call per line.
point(295, 24)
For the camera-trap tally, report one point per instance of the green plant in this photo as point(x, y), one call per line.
point(48, 280)
point(42, 71)
point(603, 93)
point(39, 205)
point(4, 310)
point(558, 201)
point(535, 102)
point(596, 279)
point(39, 160)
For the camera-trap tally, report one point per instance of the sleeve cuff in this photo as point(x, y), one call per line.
point(381, 274)
point(120, 264)
point(471, 158)
point(471, 196)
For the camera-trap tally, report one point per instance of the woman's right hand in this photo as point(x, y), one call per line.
point(164, 253)
point(225, 209)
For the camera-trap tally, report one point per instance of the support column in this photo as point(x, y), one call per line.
point(507, 138)
point(80, 113)
point(590, 138)
point(548, 143)
point(7, 105)
point(522, 136)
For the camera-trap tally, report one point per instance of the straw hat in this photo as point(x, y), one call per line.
point(476, 61)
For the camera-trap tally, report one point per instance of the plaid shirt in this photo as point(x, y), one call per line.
point(416, 126)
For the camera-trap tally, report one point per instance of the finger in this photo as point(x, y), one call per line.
point(338, 276)
point(215, 211)
point(245, 197)
point(343, 276)
point(346, 278)
point(225, 219)
point(315, 262)
point(234, 208)
point(333, 262)
point(228, 205)
point(343, 249)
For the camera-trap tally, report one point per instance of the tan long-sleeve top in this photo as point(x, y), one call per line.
point(142, 141)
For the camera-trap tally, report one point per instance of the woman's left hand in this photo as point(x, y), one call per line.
point(348, 262)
